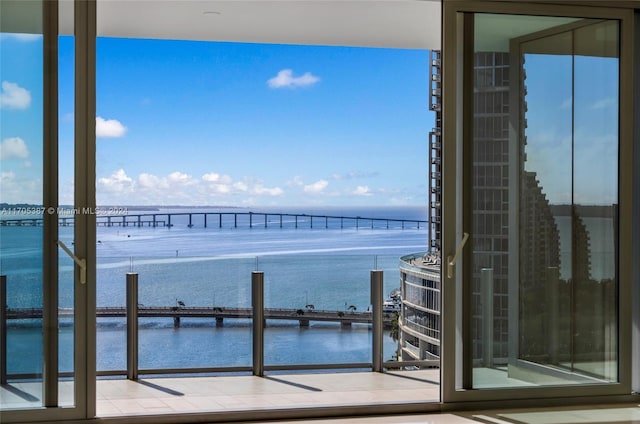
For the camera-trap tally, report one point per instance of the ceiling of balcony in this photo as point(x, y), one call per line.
point(367, 23)
point(373, 23)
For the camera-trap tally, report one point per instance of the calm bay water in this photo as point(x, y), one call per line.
point(326, 267)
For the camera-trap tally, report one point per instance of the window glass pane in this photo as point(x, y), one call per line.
point(21, 232)
point(595, 198)
point(545, 189)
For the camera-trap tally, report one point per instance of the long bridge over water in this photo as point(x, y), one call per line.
point(231, 219)
point(219, 314)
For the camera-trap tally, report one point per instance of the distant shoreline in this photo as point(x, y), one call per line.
point(594, 211)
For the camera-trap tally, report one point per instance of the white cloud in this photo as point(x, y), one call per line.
point(214, 177)
point(109, 128)
point(219, 189)
point(604, 103)
point(316, 187)
point(14, 97)
point(13, 147)
point(567, 103)
point(219, 184)
point(352, 175)
point(285, 79)
point(212, 188)
point(148, 180)
point(6, 177)
point(118, 182)
point(296, 181)
point(261, 190)
point(362, 191)
point(180, 179)
point(171, 183)
point(16, 188)
point(241, 186)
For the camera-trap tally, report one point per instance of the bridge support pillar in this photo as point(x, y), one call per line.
point(376, 319)
point(304, 323)
point(219, 321)
point(345, 324)
point(257, 304)
point(132, 326)
point(176, 321)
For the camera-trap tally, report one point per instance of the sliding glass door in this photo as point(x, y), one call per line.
point(44, 279)
point(538, 132)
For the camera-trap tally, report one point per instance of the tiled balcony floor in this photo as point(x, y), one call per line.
point(593, 414)
point(241, 393)
point(170, 395)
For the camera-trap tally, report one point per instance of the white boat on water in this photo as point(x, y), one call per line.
point(393, 303)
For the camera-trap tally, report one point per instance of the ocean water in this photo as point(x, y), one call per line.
point(326, 267)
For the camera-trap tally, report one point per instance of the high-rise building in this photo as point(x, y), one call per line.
point(419, 322)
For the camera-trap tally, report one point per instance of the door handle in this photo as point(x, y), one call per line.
point(451, 260)
point(82, 263)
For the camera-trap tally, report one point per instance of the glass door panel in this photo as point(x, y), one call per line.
point(21, 195)
point(595, 199)
point(544, 193)
point(38, 367)
point(66, 212)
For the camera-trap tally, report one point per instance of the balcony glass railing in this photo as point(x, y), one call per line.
point(194, 313)
point(421, 329)
point(23, 329)
point(330, 298)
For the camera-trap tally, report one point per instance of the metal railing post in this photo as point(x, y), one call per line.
point(257, 304)
point(486, 282)
point(3, 329)
point(376, 319)
point(132, 326)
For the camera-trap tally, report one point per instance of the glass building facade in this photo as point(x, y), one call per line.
point(420, 319)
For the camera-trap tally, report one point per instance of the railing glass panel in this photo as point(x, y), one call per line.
point(193, 312)
point(329, 299)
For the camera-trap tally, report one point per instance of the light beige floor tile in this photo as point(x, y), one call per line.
point(404, 419)
point(228, 393)
point(105, 408)
point(222, 403)
point(182, 405)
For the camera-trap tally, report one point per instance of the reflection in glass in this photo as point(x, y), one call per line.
point(66, 230)
point(545, 147)
point(21, 135)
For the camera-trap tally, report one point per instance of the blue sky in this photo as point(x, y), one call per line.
point(198, 123)
point(549, 150)
point(21, 118)
point(233, 124)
